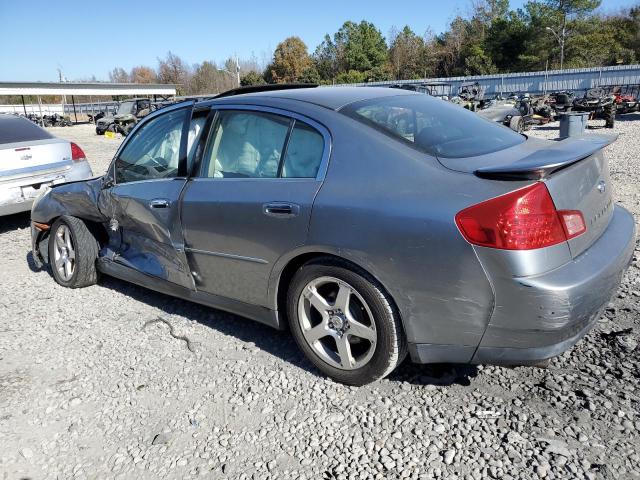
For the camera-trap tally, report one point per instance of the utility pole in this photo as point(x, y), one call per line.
point(62, 78)
point(237, 70)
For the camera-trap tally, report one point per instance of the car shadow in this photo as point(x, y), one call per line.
point(15, 222)
point(279, 343)
point(439, 374)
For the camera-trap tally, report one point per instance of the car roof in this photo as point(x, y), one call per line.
point(333, 98)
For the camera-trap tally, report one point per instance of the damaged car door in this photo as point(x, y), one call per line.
point(250, 201)
point(141, 198)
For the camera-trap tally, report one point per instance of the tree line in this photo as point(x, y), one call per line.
point(490, 38)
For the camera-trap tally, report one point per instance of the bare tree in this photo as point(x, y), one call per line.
point(172, 69)
point(118, 75)
point(208, 78)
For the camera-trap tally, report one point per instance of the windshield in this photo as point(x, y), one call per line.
point(126, 108)
point(434, 126)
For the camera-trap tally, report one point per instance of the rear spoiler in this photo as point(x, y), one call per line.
point(544, 162)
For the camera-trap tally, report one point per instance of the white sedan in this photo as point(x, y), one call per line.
point(32, 159)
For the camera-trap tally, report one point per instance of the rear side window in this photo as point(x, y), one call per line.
point(17, 129)
point(304, 152)
point(433, 125)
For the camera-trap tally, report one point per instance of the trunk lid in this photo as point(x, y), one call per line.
point(23, 157)
point(574, 170)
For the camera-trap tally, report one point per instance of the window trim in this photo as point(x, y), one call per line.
point(111, 171)
point(293, 117)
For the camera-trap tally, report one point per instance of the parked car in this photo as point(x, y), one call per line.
point(31, 159)
point(371, 222)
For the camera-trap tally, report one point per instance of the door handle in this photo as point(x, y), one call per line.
point(280, 209)
point(159, 203)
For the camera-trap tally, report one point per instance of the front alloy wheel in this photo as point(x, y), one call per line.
point(64, 258)
point(73, 250)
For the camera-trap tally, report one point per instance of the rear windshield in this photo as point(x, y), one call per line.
point(432, 125)
point(17, 129)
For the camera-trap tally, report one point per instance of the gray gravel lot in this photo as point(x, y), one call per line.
point(86, 391)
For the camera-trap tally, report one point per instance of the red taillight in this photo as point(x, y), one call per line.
point(77, 153)
point(520, 220)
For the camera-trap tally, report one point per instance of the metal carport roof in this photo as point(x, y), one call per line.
point(85, 88)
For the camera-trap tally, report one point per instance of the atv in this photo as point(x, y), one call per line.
point(127, 116)
point(626, 101)
point(94, 117)
point(561, 102)
point(56, 120)
point(470, 96)
point(599, 103)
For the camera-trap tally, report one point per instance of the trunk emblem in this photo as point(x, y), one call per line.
point(26, 157)
point(602, 186)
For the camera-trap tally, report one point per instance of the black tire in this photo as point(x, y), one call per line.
point(391, 346)
point(609, 112)
point(86, 249)
point(516, 123)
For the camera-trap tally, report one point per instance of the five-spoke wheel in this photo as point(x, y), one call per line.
point(64, 253)
point(337, 323)
point(344, 322)
point(73, 250)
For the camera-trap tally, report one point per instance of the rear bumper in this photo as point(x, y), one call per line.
point(18, 192)
point(541, 316)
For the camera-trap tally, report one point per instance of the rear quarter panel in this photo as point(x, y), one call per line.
point(390, 209)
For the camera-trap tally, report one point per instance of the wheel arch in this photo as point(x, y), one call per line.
point(285, 269)
point(41, 239)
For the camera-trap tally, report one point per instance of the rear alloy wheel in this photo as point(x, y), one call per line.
point(73, 251)
point(344, 323)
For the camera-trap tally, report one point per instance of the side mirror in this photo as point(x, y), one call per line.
point(107, 182)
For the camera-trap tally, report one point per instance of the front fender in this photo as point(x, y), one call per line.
point(79, 199)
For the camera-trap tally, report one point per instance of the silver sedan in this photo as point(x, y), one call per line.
point(32, 159)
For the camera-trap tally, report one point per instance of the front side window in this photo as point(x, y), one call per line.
point(154, 150)
point(246, 145)
point(434, 126)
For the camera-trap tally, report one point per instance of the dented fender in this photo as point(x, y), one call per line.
point(79, 199)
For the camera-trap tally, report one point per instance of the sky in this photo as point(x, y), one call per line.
point(91, 37)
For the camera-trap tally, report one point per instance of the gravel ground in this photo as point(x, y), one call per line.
point(87, 391)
